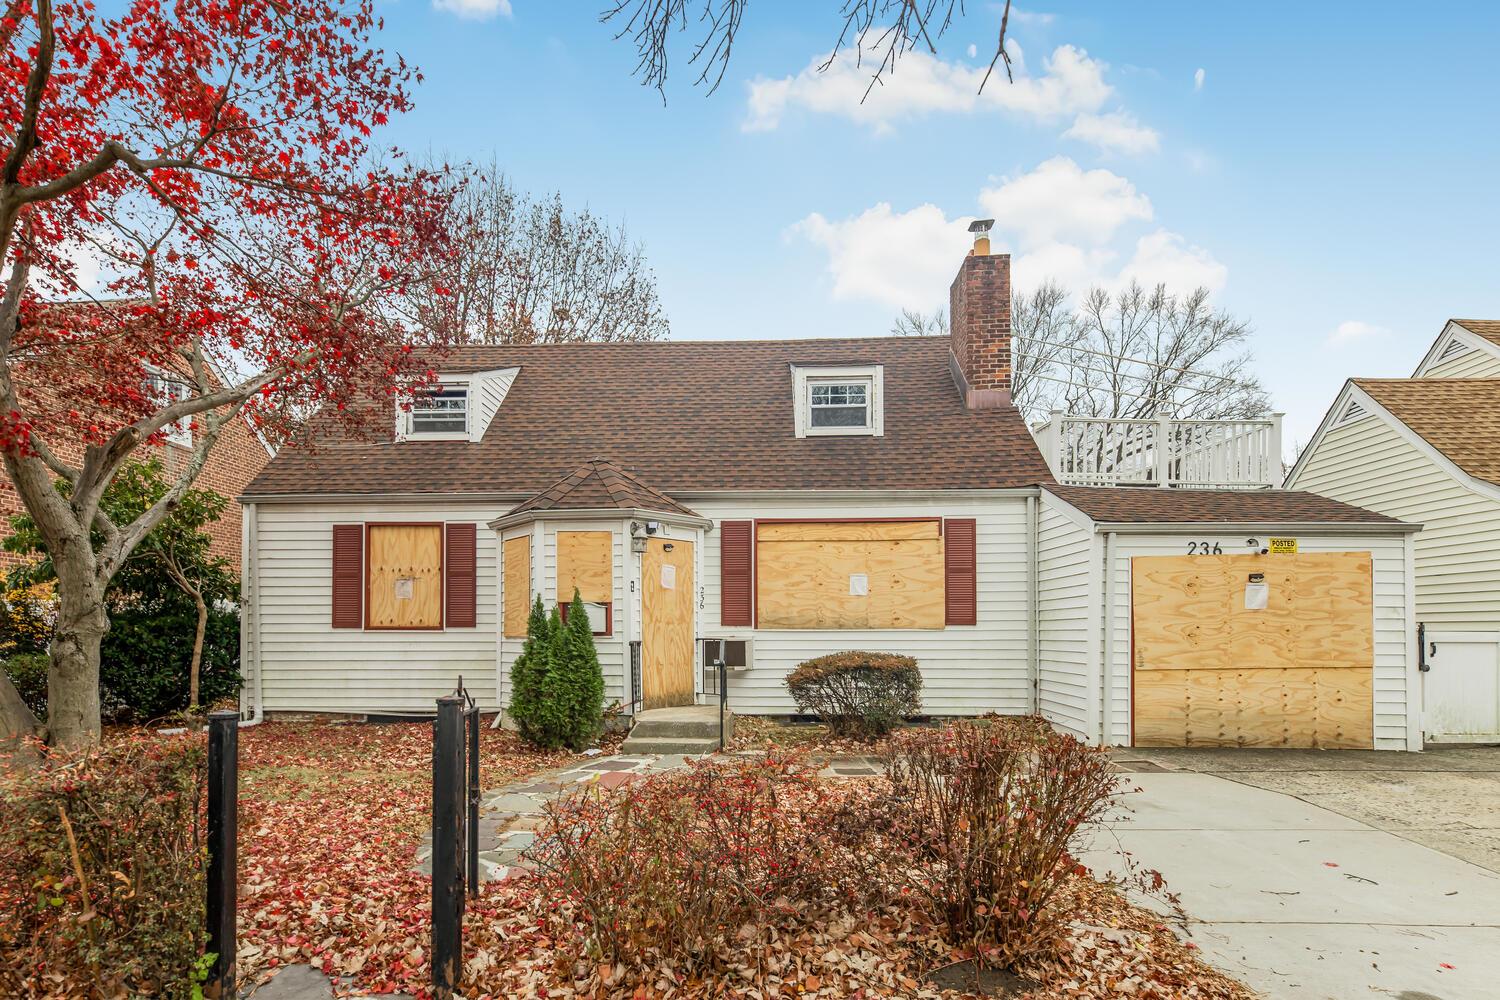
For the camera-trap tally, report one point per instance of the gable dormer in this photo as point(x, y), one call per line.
point(458, 408)
point(1467, 348)
point(838, 400)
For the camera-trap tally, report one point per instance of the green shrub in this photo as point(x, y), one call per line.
point(134, 925)
point(858, 693)
point(528, 672)
point(145, 657)
point(28, 672)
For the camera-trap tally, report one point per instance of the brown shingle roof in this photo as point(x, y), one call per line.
point(1460, 417)
point(600, 485)
point(688, 416)
point(1149, 504)
point(1489, 329)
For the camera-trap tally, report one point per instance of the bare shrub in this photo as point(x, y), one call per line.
point(673, 865)
point(857, 693)
point(977, 827)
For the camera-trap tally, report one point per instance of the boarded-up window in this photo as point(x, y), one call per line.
point(584, 560)
point(404, 580)
point(849, 575)
point(461, 576)
point(517, 584)
point(734, 573)
point(960, 571)
point(348, 575)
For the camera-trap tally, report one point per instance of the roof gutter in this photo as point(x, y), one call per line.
point(1260, 527)
point(617, 513)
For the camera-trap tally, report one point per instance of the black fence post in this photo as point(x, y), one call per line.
point(223, 850)
point(447, 838)
point(472, 854)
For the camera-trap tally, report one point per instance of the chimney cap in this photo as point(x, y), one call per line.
point(981, 225)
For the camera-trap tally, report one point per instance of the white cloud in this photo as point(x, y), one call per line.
point(474, 10)
point(1198, 79)
point(1117, 131)
point(1352, 331)
point(973, 51)
point(1031, 17)
point(1071, 83)
point(902, 259)
point(1164, 258)
point(1058, 221)
point(1060, 201)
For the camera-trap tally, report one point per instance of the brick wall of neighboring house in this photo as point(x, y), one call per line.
point(235, 459)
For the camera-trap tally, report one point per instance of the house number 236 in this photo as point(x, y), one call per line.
point(1204, 549)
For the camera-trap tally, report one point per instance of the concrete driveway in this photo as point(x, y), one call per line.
point(1305, 899)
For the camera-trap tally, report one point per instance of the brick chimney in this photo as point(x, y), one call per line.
point(979, 318)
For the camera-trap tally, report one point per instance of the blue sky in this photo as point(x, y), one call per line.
point(1329, 169)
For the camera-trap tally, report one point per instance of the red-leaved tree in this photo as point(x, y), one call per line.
point(209, 165)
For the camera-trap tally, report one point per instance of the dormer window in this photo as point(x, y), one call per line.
point(442, 412)
point(839, 400)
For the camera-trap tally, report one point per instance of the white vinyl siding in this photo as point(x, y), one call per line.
point(1067, 605)
point(1370, 464)
point(966, 670)
point(1469, 364)
point(309, 666)
point(613, 649)
point(1393, 670)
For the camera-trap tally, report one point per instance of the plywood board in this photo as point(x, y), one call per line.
point(667, 646)
point(516, 559)
point(585, 559)
point(845, 531)
point(807, 584)
point(1210, 672)
point(405, 578)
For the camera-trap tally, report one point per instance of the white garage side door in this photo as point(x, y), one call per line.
point(1461, 688)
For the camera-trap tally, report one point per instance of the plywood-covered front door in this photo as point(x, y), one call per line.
point(667, 623)
point(1219, 661)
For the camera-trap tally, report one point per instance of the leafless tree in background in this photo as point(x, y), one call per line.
point(1132, 354)
point(532, 272)
point(879, 32)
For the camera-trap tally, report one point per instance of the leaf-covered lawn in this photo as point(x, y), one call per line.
point(330, 820)
point(331, 817)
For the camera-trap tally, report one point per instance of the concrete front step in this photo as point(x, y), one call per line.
point(668, 744)
point(688, 729)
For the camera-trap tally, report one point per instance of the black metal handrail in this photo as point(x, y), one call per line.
point(635, 676)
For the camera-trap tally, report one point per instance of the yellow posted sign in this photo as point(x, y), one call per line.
point(1283, 546)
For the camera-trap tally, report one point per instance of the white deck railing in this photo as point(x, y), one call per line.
point(1102, 451)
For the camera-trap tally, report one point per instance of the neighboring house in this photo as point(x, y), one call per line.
point(1427, 449)
point(237, 457)
point(767, 502)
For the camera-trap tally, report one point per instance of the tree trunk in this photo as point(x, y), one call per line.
point(197, 662)
point(73, 680)
point(17, 723)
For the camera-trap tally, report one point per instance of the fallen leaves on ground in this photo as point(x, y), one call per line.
point(332, 815)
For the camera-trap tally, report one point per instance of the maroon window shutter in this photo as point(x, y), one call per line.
point(459, 573)
point(348, 575)
point(734, 573)
point(960, 571)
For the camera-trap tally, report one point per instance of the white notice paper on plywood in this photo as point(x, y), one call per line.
point(405, 585)
point(859, 585)
point(668, 577)
point(1256, 595)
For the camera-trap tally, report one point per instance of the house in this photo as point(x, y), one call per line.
point(1427, 449)
point(238, 455)
point(765, 502)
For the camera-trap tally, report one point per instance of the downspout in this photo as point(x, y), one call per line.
point(1108, 655)
point(1033, 609)
point(250, 612)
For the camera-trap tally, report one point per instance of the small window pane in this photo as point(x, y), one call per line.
point(839, 404)
point(445, 410)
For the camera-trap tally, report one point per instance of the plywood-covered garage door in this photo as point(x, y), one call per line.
point(1213, 668)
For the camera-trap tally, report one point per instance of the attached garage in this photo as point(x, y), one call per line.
point(1225, 618)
